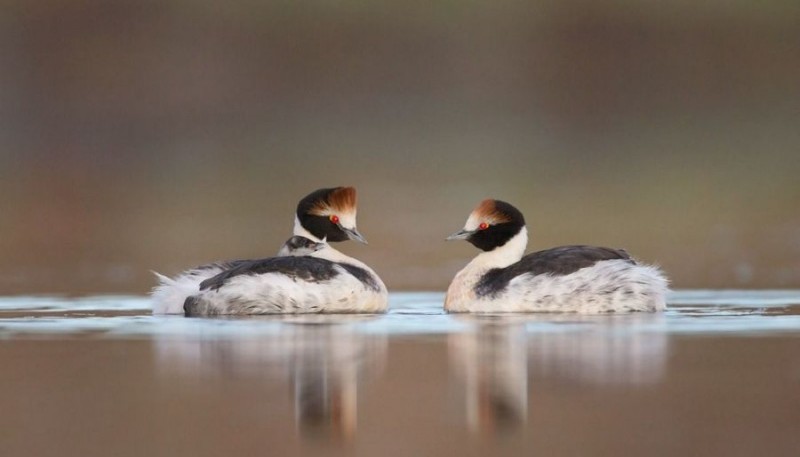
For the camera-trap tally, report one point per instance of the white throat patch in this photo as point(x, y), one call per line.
point(505, 255)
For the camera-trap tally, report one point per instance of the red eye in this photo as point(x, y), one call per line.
point(335, 219)
point(483, 226)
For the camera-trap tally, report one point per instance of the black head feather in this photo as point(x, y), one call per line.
point(321, 226)
point(509, 222)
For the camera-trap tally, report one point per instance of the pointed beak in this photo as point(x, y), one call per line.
point(459, 235)
point(354, 235)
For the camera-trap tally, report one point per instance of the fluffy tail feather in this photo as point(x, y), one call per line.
point(168, 296)
point(164, 280)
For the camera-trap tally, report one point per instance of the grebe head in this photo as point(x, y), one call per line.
point(491, 225)
point(300, 246)
point(329, 214)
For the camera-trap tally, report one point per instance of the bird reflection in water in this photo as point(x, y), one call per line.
point(325, 359)
point(607, 350)
point(491, 360)
point(326, 367)
point(500, 359)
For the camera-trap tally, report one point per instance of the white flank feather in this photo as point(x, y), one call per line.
point(277, 293)
point(607, 286)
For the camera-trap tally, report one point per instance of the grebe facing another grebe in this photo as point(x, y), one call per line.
point(578, 279)
point(309, 277)
point(325, 214)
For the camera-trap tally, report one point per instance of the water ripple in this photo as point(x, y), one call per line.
point(411, 313)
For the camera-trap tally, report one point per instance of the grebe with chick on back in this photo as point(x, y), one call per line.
point(577, 279)
point(326, 214)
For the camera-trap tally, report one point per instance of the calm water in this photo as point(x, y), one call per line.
point(718, 374)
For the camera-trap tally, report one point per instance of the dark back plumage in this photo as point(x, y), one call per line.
point(222, 265)
point(558, 261)
point(304, 268)
point(309, 269)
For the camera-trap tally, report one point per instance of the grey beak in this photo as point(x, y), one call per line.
point(354, 235)
point(459, 235)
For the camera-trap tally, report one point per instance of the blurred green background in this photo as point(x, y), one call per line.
point(139, 135)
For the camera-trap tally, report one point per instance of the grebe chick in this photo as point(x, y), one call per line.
point(299, 246)
point(577, 279)
point(325, 214)
point(311, 277)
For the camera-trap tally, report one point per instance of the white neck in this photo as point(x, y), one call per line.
point(334, 255)
point(461, 290)
point(328, 252)
point(299, 230)
point(504, 255)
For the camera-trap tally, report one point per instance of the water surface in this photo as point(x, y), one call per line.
point(717, 374)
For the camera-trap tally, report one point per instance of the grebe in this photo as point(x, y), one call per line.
point(310, 277)
point(577, 279)
point(328, 214)
point(300, 246)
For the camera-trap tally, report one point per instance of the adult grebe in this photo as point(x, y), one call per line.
point(328, 214)
point(578, 279)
